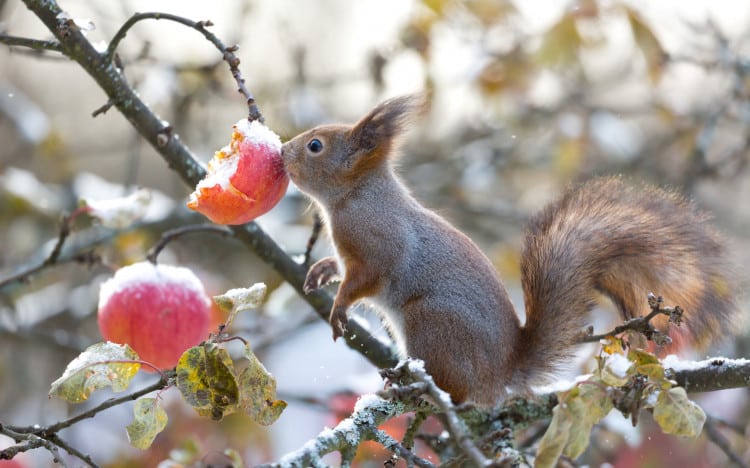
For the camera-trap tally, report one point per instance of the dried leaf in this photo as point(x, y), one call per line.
point(648, 43)
point(555, 439)
point(588, 406)
point(572, 421)
point(561, 43)
point(149, 419)
point(258, 392)
point(677, 415)
point(100, 365)
point(206, 379)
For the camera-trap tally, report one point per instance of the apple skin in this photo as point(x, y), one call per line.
point(245, 179)
point(159, 310)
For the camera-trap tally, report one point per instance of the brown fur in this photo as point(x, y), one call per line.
point(440, 296)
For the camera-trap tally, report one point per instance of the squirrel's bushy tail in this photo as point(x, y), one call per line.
point(624, 242)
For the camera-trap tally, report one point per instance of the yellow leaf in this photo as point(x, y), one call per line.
point(569, 156)
point(100, 365)
point(561, 43)
point(555, 439)
point(677, 415)
point(149, 419)
point(206, 379)
point(258, 392)
point(612, 345)
point(590, 404)
point(648, 43)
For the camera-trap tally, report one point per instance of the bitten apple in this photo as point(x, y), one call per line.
point(159, 310)
point(245, 179)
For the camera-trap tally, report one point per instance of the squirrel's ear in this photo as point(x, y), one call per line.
point(376, 132)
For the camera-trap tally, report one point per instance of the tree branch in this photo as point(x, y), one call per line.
point(173, 234)
point(35, 44)
point(54, 256)
point(200, 26)
point(179, 158)
point(709, 375)
point(369, 413)
point(414, 371)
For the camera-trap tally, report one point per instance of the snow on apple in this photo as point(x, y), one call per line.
point(159, 310)
point(245, 179)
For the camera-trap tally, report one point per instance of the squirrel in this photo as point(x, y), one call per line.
point(441, 298)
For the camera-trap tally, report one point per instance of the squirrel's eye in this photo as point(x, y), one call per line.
point(315, 145)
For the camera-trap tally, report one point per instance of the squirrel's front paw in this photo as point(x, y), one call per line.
point(321, 273)
point(338, 320)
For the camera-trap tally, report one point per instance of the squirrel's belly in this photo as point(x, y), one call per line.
point(392, 319)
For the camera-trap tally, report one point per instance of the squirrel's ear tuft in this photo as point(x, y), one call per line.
point(377, 131)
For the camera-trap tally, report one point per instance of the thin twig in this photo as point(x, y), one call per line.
point(392, 444)
point(227, 52)
point(55, 439)
point(53, 257)
point(643, 324)
point(53, 428)
point(33, 441)
point(720, 441)
point(35, 44)
point(173, 234)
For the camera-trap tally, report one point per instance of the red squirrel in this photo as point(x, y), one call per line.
point(441, 298)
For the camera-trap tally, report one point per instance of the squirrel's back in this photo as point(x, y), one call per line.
point(622, 241)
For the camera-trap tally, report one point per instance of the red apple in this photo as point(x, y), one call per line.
point(159, 310)
point(245, 179)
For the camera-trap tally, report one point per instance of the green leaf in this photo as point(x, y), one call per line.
point(100, 365)
point(206, 379)
point(647, 364)
point(258, 392)
point(149, 419)
point(640, 357)
point(677, 415)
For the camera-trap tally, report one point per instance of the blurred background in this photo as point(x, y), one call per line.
point(526, 98)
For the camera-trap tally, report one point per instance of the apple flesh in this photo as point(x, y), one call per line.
point(245, 179)
point(159, 310)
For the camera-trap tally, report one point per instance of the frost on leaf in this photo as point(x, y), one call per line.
point(239, 300)
point(206, 379)
point(258, 392)
point(677, 415)
point(149, 419)
point(119, 213)
point(100, 365)
point(616, 370)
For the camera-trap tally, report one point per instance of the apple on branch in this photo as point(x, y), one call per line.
point(159, 310)
point(245, 179)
